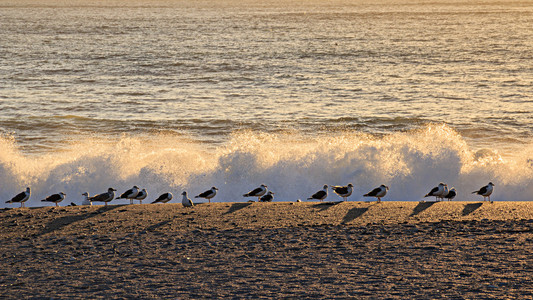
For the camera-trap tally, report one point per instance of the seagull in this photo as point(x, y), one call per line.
point(55, 198)
point(451, 194)
point(258, 192)
point(141, 195)
point(86, 200)
point(343, 191)
point(320, 195)
point(208, 194)
point(378, 192)
point(104, 197)
point(268, 197)
point(186, 201)
point(437, 191)
point(163, 198)
point(130, 194)
point(21, 198)
point(485, 191)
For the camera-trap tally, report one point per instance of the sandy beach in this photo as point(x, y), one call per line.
point(389, 250)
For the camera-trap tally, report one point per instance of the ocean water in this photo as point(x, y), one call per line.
point(184, 95)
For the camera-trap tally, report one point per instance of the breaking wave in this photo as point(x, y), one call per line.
point(293, 165)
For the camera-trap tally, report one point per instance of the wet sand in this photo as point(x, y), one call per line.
point(391, 250)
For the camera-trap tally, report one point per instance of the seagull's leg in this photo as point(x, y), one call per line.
point(379, 199)
point(57, 205)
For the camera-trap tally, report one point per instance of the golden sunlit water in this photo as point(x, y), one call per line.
point(191, 94)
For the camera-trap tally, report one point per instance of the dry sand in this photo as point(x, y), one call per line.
point(391, 250)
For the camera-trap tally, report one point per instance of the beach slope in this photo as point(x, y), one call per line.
point(391, 250)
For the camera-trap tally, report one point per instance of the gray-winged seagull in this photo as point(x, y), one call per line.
point(343, 191)
point(209, 194)
point(164, 198)
point(378, 192)
point(437, 192)
point(258, 192)
point(55, 198)
point(130, 194)
point(141, 196)
point(21, 197)
point(104, 197)
point(320, 195)
point(485, 191)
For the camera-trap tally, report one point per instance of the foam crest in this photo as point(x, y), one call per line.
point(293, 165)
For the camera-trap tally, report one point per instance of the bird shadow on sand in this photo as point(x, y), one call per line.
point(470, 208)
point(354, 213)
point(155, 226)
point(421, 207)
point(237, 206)
point(59, 223)
point(326, 205)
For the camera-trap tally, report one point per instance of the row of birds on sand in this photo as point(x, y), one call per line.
point(135, 193)
point(440, 192)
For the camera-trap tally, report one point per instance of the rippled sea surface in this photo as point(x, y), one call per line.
point(208, 68)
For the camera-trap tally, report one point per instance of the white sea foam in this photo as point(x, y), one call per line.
point(291, 164)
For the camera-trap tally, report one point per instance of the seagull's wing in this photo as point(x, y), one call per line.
point(483, 190)
point(18, 197)
point(319, 195)
point(53, 198)
point(204, 194)
point(161, 198)
point(254, 192)
point(100, 197)
point(373, 193)
point(433, 191)
point(340, 189)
